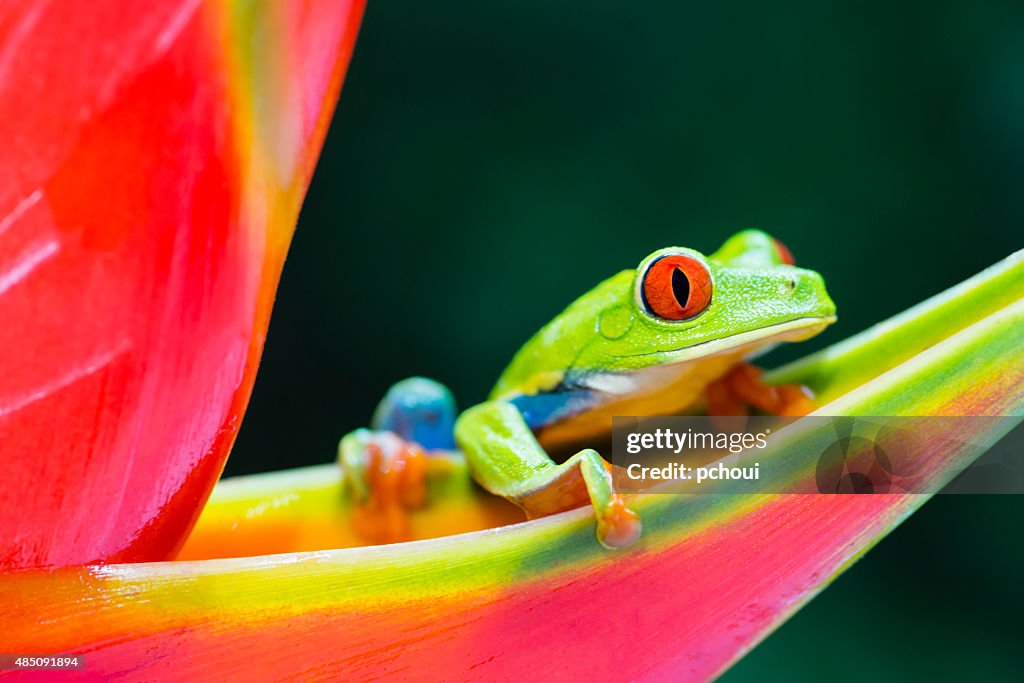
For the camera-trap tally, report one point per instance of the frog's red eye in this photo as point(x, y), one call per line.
point(677, 287)
point(785, 255)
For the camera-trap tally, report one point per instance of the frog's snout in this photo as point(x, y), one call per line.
point(806, 291)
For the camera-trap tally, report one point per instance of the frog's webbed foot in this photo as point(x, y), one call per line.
point(385, 469)
point(507, 461)
point(385, 476)
point(742, 387)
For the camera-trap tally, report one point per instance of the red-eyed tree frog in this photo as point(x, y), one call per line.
point(671, 337)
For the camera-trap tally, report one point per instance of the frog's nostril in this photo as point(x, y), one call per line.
point(791, 284)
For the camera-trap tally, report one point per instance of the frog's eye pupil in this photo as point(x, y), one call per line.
point(676, 287)
point(680, 286)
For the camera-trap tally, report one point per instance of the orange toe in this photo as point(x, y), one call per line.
point(396, 481)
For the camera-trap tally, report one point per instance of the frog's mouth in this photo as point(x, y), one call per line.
point(759, 341)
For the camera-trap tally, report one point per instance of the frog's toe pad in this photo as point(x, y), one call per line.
point(617, 525)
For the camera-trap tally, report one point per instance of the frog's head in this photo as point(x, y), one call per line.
point(677, 306)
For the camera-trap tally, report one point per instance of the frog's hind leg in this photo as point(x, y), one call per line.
point(385, 468)
point(506, 459)
point(742, 386)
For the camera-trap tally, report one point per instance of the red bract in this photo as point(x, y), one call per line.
point(153, 157)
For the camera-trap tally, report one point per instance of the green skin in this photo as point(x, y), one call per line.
point(607, 353)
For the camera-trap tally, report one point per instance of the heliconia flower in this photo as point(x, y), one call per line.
point(711, 576)
point(153, 157)
point(154, 162)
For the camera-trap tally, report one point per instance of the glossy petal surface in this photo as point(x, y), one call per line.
point(153, 157)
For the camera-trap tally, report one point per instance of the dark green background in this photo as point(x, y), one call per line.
point(490, 162)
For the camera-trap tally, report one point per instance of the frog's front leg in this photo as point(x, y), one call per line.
point(506, 459)
point(384, 469)
point(742, 386)
point(386, 478)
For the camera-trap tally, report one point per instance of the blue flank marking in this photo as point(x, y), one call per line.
point(540, 410)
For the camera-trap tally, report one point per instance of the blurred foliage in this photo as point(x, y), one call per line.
point(490, 162)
